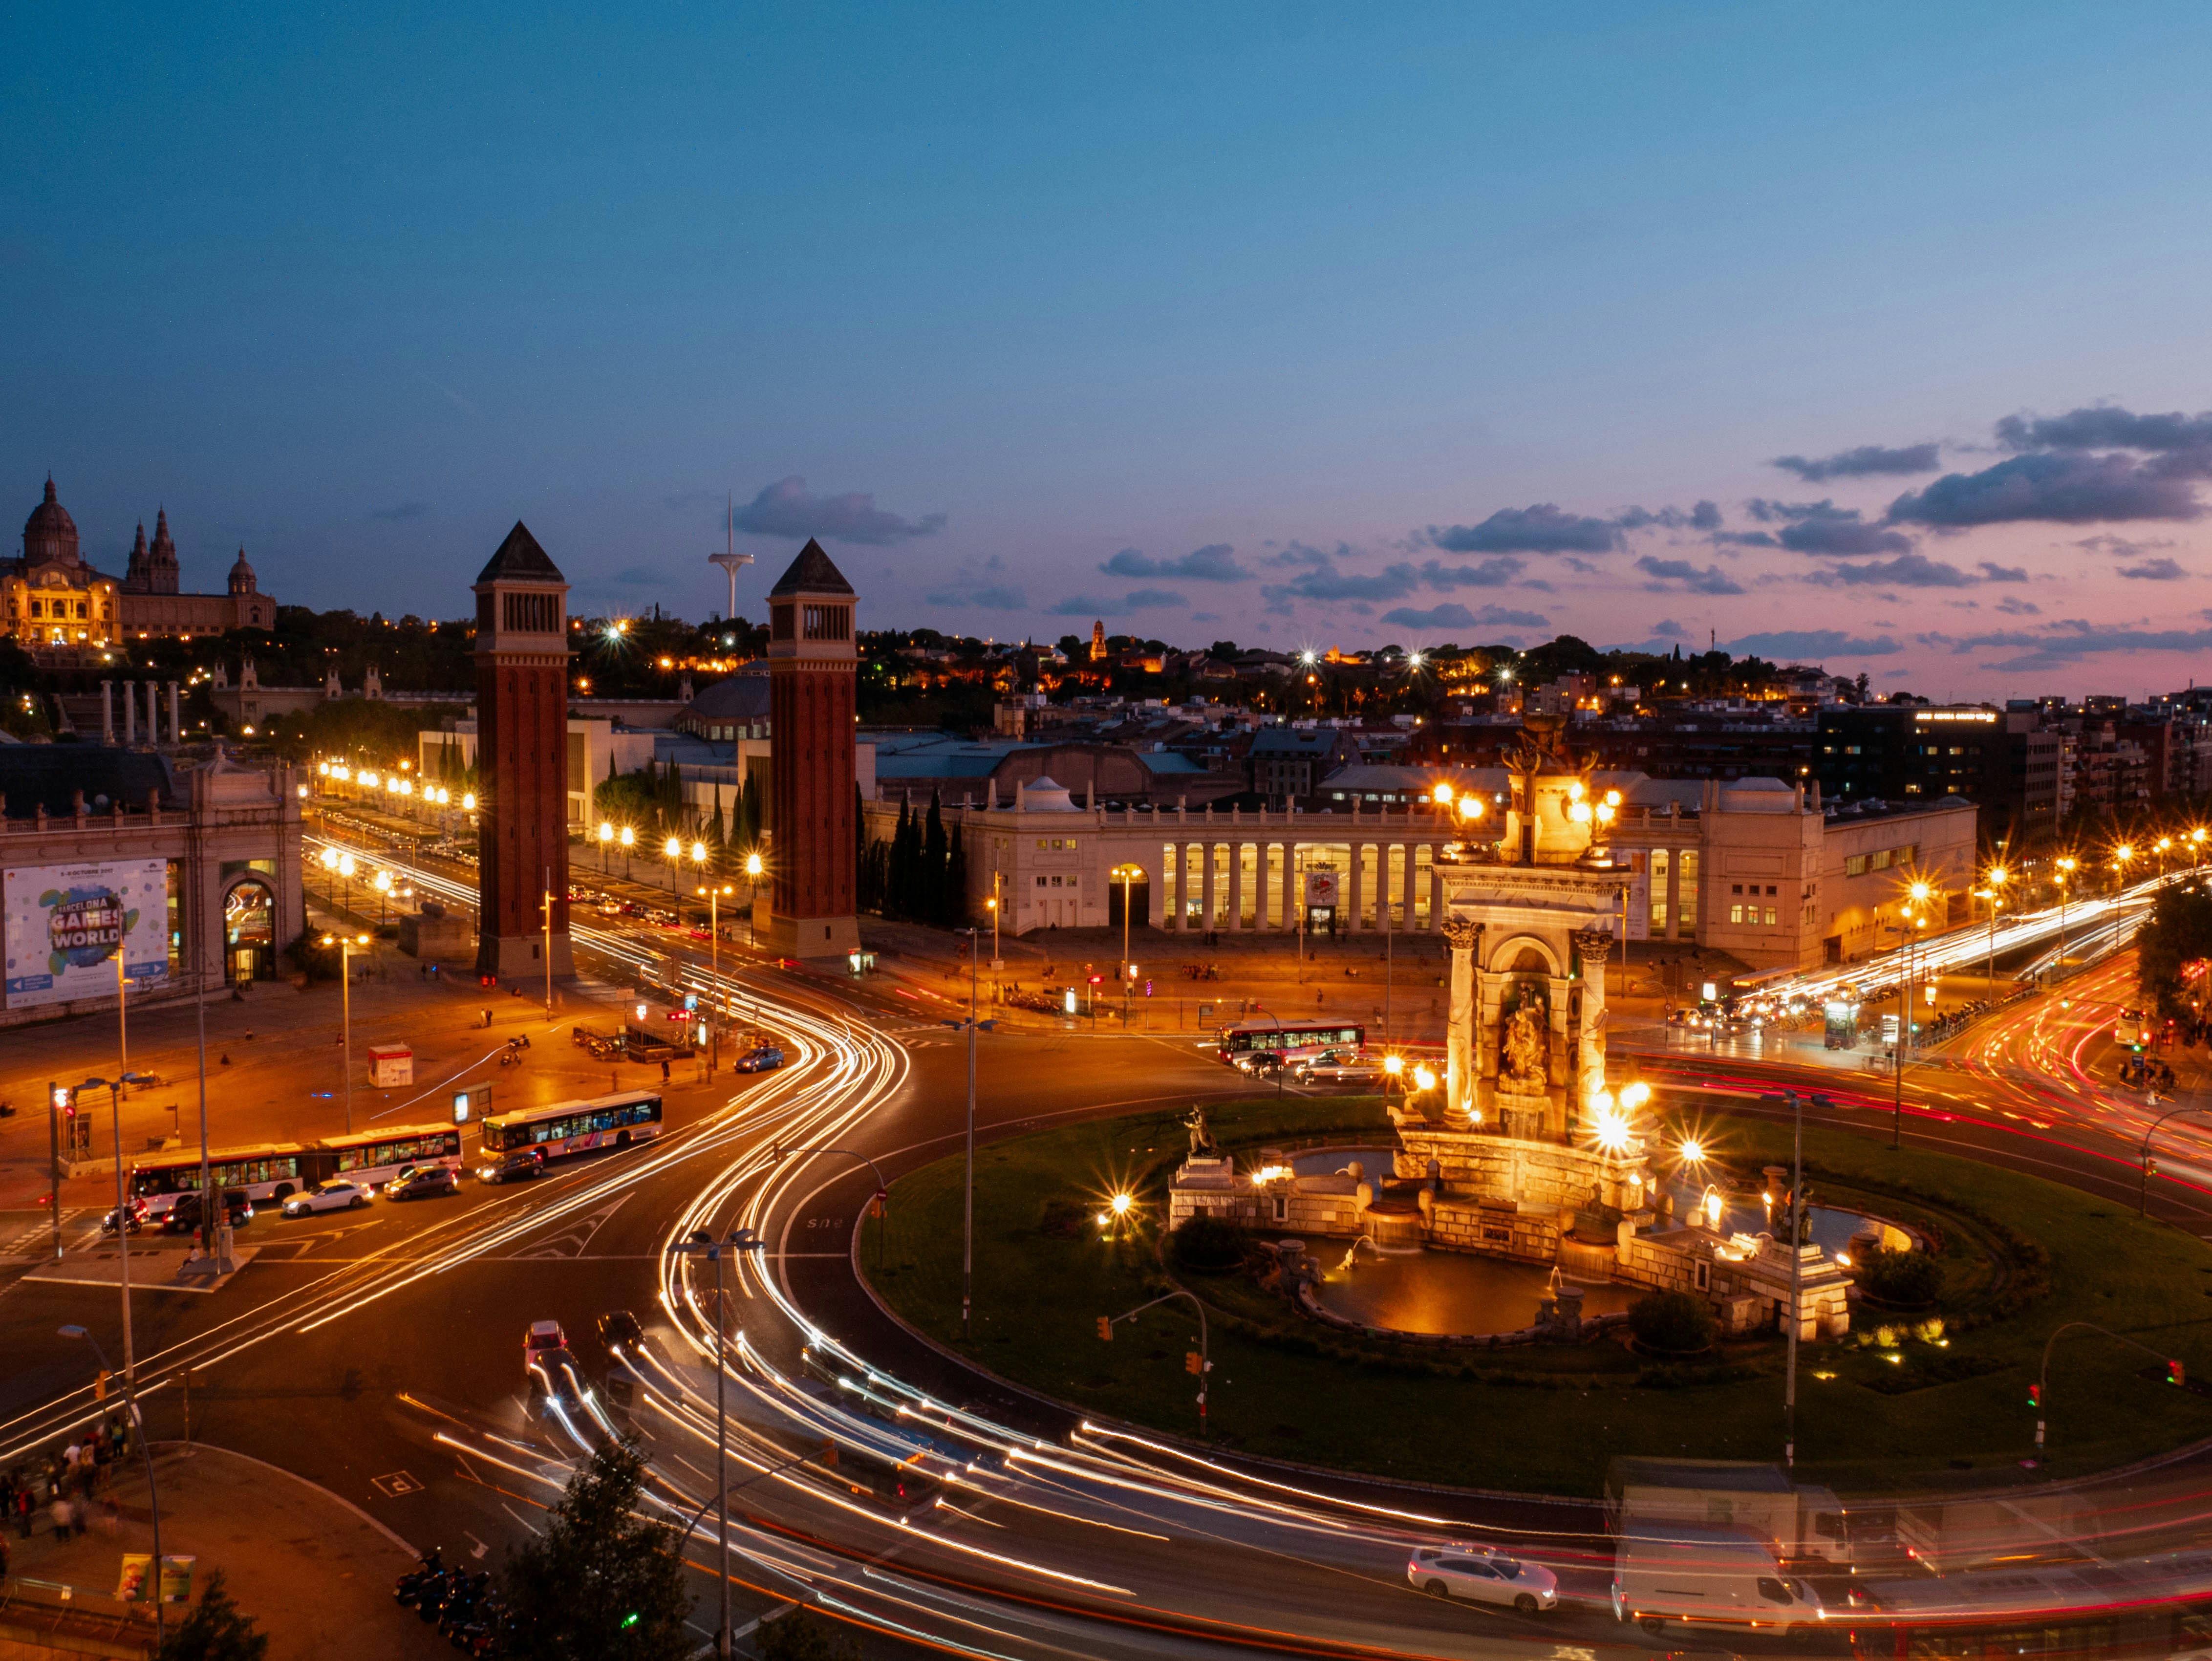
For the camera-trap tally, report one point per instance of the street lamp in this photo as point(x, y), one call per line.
point(1998, 877)
point(714, 947)
point(704, 1245)
point(672, 851)
point(345, 944)
point(606, 837)
point(139, 1430)
point(629, 841)
point(383, 892)
point(114, 1089)
point(752, 893)
point(2066, 864)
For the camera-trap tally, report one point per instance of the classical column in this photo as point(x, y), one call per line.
point(1461, 935)
point(176, 716)
point(131, 712)
point(1673, 892)
point(1592, 946)
point(107, 712)
point(1291, 898)
point(1355, 888)
point(1179, 853)
point(1236, 884)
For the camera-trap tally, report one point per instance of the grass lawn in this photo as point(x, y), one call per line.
point(1548, 1420)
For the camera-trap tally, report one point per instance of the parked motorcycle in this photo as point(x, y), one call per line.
point(413, 1583)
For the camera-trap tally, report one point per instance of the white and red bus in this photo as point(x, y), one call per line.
point(616, 1121)
point(267, 1172)
point(374, 1158)
point(1293, 1040)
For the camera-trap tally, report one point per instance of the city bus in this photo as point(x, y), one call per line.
point(1293, 1040)
point(2132, 1611)
point(267, 1172)
point(374, 1158)
point(575, 1126)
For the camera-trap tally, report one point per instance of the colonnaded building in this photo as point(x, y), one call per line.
point(1755, 866)
point(56, 603)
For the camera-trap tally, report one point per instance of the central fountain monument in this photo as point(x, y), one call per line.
point(1528, 1152)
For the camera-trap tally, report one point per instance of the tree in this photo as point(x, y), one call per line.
point(2178, 936)
point(799, 1637)
point(216, 1631)
point(936, 852)
point(601, 1581)
point(955, 908)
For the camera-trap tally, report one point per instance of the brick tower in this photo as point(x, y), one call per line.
point(522, 758)
point(811, 665)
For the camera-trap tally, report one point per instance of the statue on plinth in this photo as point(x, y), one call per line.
point(1524, 1061)
point(1202, 1145)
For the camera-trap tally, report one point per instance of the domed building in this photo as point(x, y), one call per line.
point(54, 601)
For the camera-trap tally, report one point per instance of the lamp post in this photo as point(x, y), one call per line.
point(2043, 1378)
point(715, 956)
point(752, 894)
point(345, 944)
point(702, 1243)
point(2066, 864)
point(606, 842)
point(629, 840)
point(1998, 877)
point(382, 887)
point(1797, 1278)
point(138, 1429)
point(114, 1089)
point(2122, 856)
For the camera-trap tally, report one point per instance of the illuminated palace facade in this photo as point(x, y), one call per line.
point(53, 601)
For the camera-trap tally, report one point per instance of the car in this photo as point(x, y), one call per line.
point(517, 1164)
point(184, 1216)
point(1483, 1574)
point(542, 1343)
point(1262, 1064)
point(422, 1181)
point(760, 1060)
point(620, 1332)
point(1337, 1068)
point(338, 1194)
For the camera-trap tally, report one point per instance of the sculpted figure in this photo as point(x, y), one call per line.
point(1526, 1052)
point(1202, 1138)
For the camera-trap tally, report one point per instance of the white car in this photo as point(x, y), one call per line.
point(336, 1195)
point(1482, 1574)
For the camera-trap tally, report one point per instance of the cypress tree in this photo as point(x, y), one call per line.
point(900, 872)
point(955, 909)
point(929, 900)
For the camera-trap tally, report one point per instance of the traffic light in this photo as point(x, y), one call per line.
point(1191, 1363)
point(2035, 1395)
point(99, 1385)
point(1105, 1330)
point(2174, 1374)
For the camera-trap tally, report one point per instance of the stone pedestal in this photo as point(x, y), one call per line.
point(1522, 1116)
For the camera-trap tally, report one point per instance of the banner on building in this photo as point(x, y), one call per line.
point(65, 925)
point(1320, 888)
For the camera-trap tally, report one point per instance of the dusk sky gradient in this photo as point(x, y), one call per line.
point(1852, 334)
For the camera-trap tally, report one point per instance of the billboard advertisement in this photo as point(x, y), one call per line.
point(1322, 888)
point(66, 924)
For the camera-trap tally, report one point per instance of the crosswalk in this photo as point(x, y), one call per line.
point(38, 1239)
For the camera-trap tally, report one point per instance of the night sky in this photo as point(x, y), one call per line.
point(1866, 334)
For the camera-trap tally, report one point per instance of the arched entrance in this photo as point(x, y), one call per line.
point(249, 933)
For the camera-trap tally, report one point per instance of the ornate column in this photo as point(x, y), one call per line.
point(131, 712)
point(1182, 887)
point(107, 712)
point(1461, 935)
point(1592, 946)
point(1236, 884)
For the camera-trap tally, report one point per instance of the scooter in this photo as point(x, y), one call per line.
point(411, 1585)
point(462, 1596)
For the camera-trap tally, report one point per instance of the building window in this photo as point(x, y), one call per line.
point(1770, 916)
point(531, 614)
point(1856, 865)
point(1735, 914)
point(829, 622)
point(1659, 859)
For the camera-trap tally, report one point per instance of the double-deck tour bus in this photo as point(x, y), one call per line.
point(266, 1171)
point(1293, 1040)
point(375, 1157)
point(2091, 1611)
point(576, 1127)
point(272, 1172)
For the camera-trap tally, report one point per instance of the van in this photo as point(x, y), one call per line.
point(1698, 1575)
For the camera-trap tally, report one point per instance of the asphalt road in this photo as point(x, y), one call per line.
point(380, 1354)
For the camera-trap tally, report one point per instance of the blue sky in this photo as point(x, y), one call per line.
point(1288, 324)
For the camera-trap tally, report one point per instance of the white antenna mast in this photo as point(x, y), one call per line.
point(730, 561)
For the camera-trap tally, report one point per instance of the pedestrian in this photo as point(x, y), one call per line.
point(664, 1073)
point(24, 1508)
point(59, 1511)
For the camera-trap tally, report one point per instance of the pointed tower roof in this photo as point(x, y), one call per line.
point(812, 573)
point(163, 542)
point(519, 559)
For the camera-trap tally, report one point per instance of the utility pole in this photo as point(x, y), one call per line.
point(704, 1245)
point(968, 1184)
point(549, 944)
point(56, 1098)
point(1796, 1279)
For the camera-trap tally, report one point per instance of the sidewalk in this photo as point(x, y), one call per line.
point(315, 1573)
